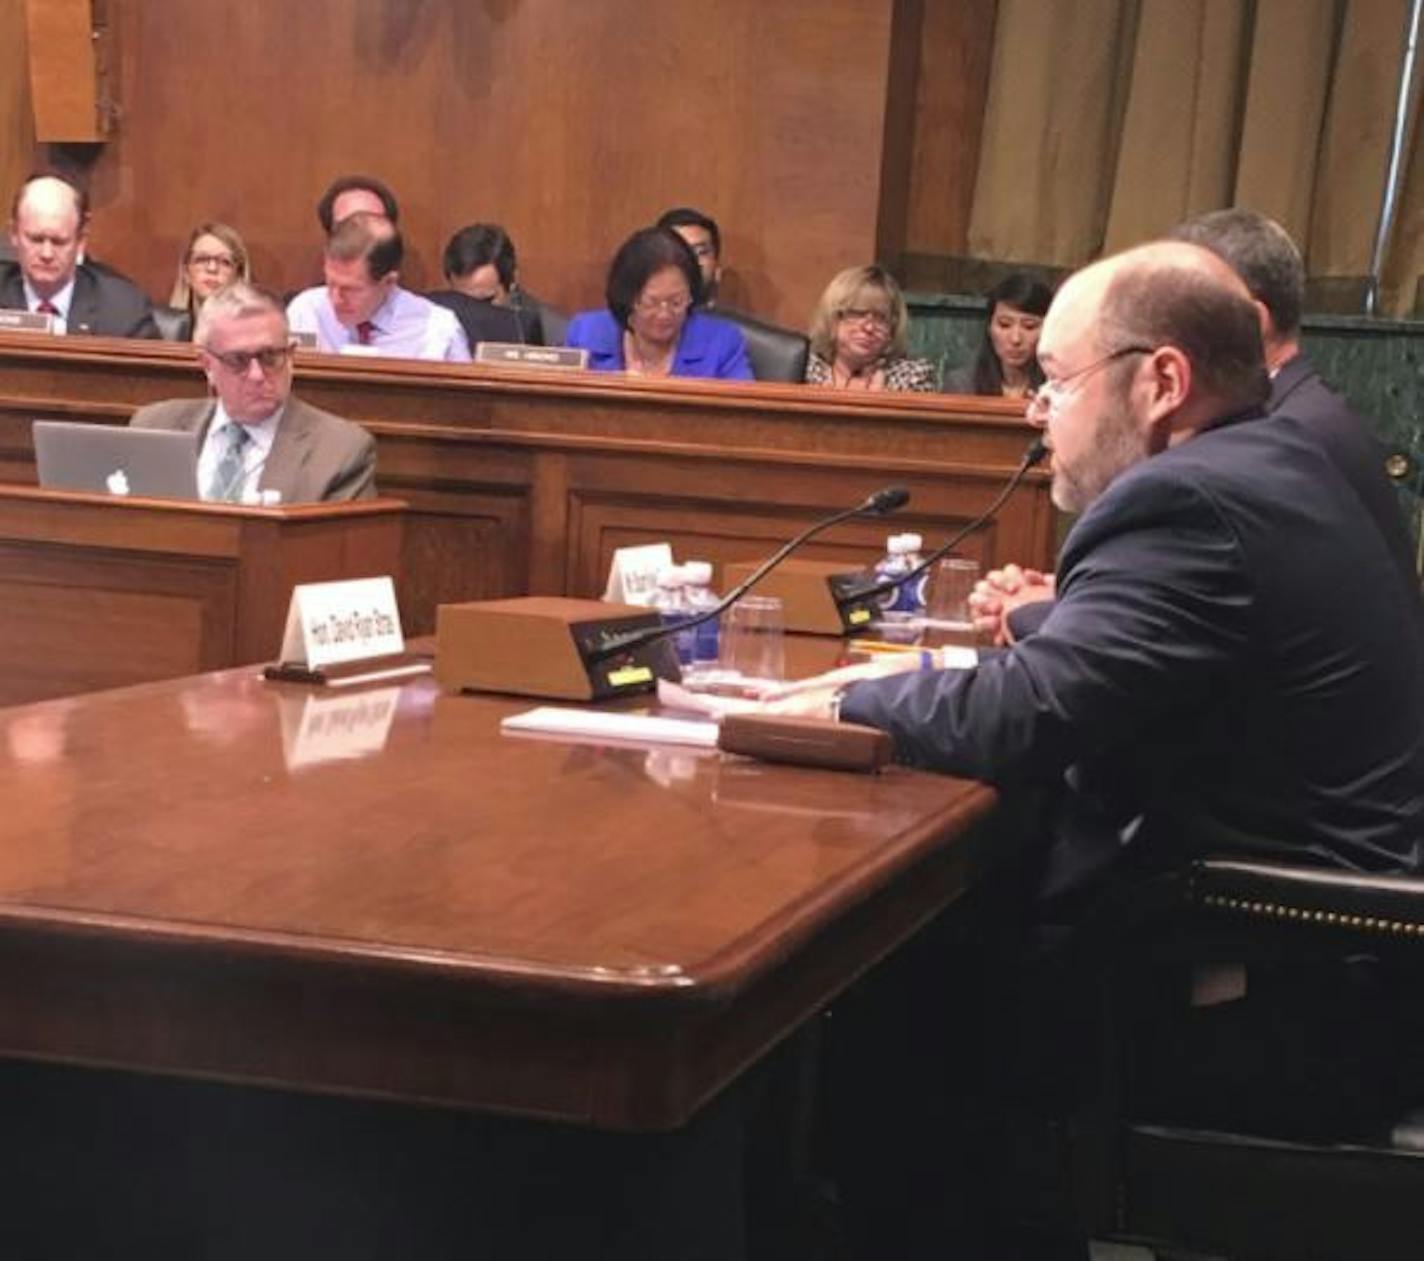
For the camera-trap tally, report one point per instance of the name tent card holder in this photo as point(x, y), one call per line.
point(343, 633)
point(633, 575)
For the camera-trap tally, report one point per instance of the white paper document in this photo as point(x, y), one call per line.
point(603, 725)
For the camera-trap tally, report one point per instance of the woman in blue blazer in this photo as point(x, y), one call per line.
point(652, 327)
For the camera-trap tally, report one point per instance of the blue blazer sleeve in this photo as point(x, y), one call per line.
point(712, 348)
point(598, 333)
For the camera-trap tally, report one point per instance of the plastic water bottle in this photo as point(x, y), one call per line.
point(698, 597)
point(912, 594)
point(671, 603)
point(899, 604)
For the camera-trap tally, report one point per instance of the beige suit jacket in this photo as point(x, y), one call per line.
point(315, 456)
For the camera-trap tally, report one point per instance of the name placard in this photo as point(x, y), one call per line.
point(513, 354)
point(332, 623)
point(26, 322)
point(633, 576)
point(305, 341)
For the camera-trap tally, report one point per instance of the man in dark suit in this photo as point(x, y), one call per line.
point(257, 443)
point(1233, 664)
point(1010, 602)
point(49, 225)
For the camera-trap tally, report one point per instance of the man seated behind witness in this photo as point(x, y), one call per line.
point(858, 336)
point(651, 326)
point(483, 278)
point(363, 305)
point(255, 435)
point(355, 194)
point(1012, 601)
point(49, 229)
point(704, 239)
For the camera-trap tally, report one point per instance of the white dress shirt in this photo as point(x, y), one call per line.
point(404, 326)
point(254, 455)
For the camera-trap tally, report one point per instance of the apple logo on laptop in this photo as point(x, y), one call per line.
point(117, 482)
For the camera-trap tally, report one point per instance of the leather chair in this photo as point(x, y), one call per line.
point(1333, 1180)
point(174, 323)
point(776, 354)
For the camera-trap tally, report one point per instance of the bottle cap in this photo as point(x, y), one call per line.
point(899, 544)
point(913, 542)
point(698, 572)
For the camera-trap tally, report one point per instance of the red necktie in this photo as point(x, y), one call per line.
point(47, 308)
point(363, 332)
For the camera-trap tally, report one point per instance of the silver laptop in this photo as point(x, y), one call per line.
point(153, 463)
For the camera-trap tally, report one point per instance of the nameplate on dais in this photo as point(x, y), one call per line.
point(26, 322)
point(514, 355)
point(331, 623)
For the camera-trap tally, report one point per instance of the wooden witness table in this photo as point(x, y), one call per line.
point(101, 591)
point(374, 894)
point(524, 482)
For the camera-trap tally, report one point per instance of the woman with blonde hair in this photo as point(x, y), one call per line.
point(858, 336)
point(214, 257)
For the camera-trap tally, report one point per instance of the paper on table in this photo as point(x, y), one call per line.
point(601, 724)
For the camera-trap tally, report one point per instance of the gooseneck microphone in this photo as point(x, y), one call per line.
point(854, 599)
point(881, 503)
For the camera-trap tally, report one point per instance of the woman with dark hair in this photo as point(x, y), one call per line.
point(650, 327)
point(482, 276)
point(1007, 364)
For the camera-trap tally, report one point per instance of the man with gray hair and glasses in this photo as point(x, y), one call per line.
point(259, 444)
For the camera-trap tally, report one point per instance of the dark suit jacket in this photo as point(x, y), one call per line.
point(315, 456)
point(104, 304)
point(1299, 391)
point(485, 322)
point(1233, 664)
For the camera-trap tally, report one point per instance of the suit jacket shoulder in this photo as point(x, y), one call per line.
point(319, 457)
point(109, 305)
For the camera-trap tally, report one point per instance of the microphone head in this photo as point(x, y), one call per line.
point(1037, 450)
point(891, 499)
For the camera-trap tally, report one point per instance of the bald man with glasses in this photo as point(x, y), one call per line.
point(259, 444)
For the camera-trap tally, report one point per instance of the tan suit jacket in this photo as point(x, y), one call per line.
point(315, 456)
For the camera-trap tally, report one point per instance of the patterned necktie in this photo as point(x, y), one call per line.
point(226, 485)
point(363, 332)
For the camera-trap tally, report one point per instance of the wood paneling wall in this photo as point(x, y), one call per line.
point(17, 127)
point(572, 123)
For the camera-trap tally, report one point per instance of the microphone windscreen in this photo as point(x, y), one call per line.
point(1035, 453)
point(891, 499)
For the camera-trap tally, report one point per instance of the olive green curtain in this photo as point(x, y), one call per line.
point(1109, 120)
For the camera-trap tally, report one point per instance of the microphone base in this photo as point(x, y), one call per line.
point(541, 646)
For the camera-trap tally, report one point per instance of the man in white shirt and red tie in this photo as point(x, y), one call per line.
point(362, 307)
point(49, 227)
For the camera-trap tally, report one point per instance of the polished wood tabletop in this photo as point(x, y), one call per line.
point(376, 892)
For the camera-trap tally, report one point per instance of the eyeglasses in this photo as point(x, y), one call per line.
point(859, 315)
point(269, 358)
point(673, 306)
point(223, 262)
point(1050, 395)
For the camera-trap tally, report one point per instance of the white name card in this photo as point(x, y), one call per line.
point(305, 341)
point(26, 322)
point(633, 576)
point(517, 355)
point(331, 623)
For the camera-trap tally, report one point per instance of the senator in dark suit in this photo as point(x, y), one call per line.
point(1234, 662)
point(48, 234)
point(254, 436)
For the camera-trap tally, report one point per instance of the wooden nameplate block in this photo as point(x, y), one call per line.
point(805, 741)
point(807, 592)
point(400, 665)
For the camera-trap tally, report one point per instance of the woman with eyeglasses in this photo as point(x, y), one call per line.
point(214, 257)
point(858, 336)
point(652, 327)
point(1007, 363)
